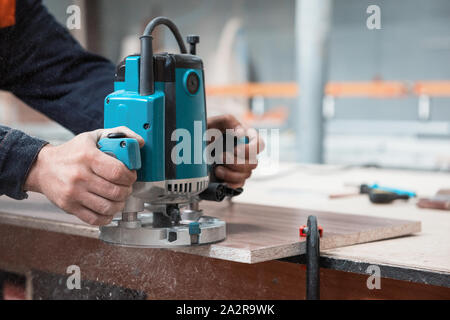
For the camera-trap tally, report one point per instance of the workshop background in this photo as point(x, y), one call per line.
point(384, 94)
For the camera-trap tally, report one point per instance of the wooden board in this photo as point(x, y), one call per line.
point(260, 233)
point(309, 186)
point(254, 233)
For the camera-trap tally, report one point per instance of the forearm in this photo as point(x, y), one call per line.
point(44, 66)
point(18, 152)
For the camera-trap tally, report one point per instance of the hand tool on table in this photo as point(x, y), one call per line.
point(378, 194)
point(155, 95)
point(376, 186)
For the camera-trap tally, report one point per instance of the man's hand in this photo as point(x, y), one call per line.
point(81, 179)
point(232, 171)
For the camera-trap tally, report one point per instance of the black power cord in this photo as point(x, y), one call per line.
point(168, 23)
point(146, 78)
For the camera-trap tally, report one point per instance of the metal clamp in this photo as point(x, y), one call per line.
point(312, 259)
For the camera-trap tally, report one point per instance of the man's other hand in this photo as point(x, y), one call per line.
point(81, 179)
point(233, 172)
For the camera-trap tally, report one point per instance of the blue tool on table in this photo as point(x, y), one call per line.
point(409, 193)
point(382, 194)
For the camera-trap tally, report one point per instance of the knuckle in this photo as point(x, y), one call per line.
point(104, 207)
point(68, 192)
point(88, 156)
point(119, 207)
point(76, 176)
point(115, 192)
point(63, 202)
point(116, 172)
point(106, 221)
point(92, 220)
point(119, 193)
point(77, 155)
point(92, 159)
point(129, 176)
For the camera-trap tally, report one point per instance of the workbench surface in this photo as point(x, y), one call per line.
point(424, 257)
point(309, 187)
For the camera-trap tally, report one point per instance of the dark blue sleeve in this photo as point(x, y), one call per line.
point(46, 68)
point(17, 154)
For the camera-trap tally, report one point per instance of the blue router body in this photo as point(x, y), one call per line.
point(161, 97)
point(155, 117)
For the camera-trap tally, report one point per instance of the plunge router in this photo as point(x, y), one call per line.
point(155, 94)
